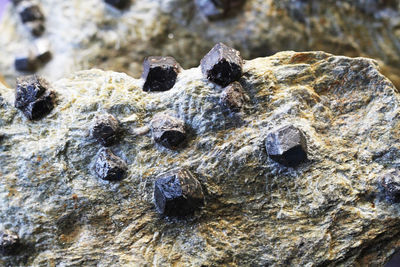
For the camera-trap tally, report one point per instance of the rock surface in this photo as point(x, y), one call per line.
point(326, 212)
point(120, 40)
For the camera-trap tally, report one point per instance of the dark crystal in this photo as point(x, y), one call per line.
point(217, 9)
point(287, 146)
point(233, 97)
point(25, 63)
point(222, 65)
point(178, 193)
point(390, 186)
point(109, 166)
point(31, 12)
point(33, 97)
point(120, 4)
point(168, 131)
point(42, 51)
point(160, 73)
point(9, 243)
point(36, 27)
point(106, 129)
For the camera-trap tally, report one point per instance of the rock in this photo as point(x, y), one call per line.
point(109, 166)
point(222, 65)
point(233, 97)
point(120, 4)
point(178, 194)
point(160, 73)
point(167, 130)
point(9, 243)
point(106, 129)
point(325, 213)
point(33, 97)
point(175, 27)
point(390, 186)
point(287, 145)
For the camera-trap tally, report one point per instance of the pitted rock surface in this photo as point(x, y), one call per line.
point(119, 41)
point(326, 212)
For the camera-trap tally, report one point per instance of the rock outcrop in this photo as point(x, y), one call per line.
point(91, 33)
point(330, 210)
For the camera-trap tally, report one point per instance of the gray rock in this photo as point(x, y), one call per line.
point(119, 41)
point(257, 213)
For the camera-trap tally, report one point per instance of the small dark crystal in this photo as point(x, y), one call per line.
point(222, 65)
point(233, 97)
point(120, 4)
point(33, 97)
point(287, 146)
point(160, 73)
point(25, 63)
point(43, 53)
point(109, 166)
point(217, 9)
point(168, 131)
point(9, 243)
point(30, 12)
point(36, 27)
point(178, 193)
point(106, 129)
point(390, 186)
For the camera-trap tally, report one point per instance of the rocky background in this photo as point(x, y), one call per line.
point(332, 210)
point(92, 33)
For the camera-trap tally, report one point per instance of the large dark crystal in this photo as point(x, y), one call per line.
point(120, 4)
point(26, 63)
point(390, 186)
point(109, 166)
point(160, 73)
point(233, 97)
point(9, 243)
point(30, 12)
point(222, 65)
point(287, 146)
point(106, 129)
point(168, 131)
point(33, 97)
point(178, 193)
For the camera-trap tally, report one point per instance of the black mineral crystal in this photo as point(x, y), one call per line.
point(168, 131)
point(120, 4)
point(33, 96)
point(160, 73)
point(25, 63)
point(178, 193)
point(287, 146)
point(9, 243)
point(29, 11)
point(109, 166)
point(106, 129)
point(390, 186)
point(233, 97)
point(217, 9)
point(222, 65)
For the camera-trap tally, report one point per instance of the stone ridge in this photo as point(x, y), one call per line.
point(327, 211)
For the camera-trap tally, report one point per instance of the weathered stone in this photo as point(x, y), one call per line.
point(222, 65)
point(109, 166)
point(390, 186)
point(178, 194)
point(160, 73)
point(320, 214)
point(9, 243)
point(120, 4)
point(287, 145)
point(33, 97)
point(233, 97)
point(26, 63)
point(167, 130)
point(106, 129)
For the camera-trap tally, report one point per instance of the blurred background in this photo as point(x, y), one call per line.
point(56, 38)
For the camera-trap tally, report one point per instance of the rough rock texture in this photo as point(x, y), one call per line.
point(119, 40)
point(326, 212)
